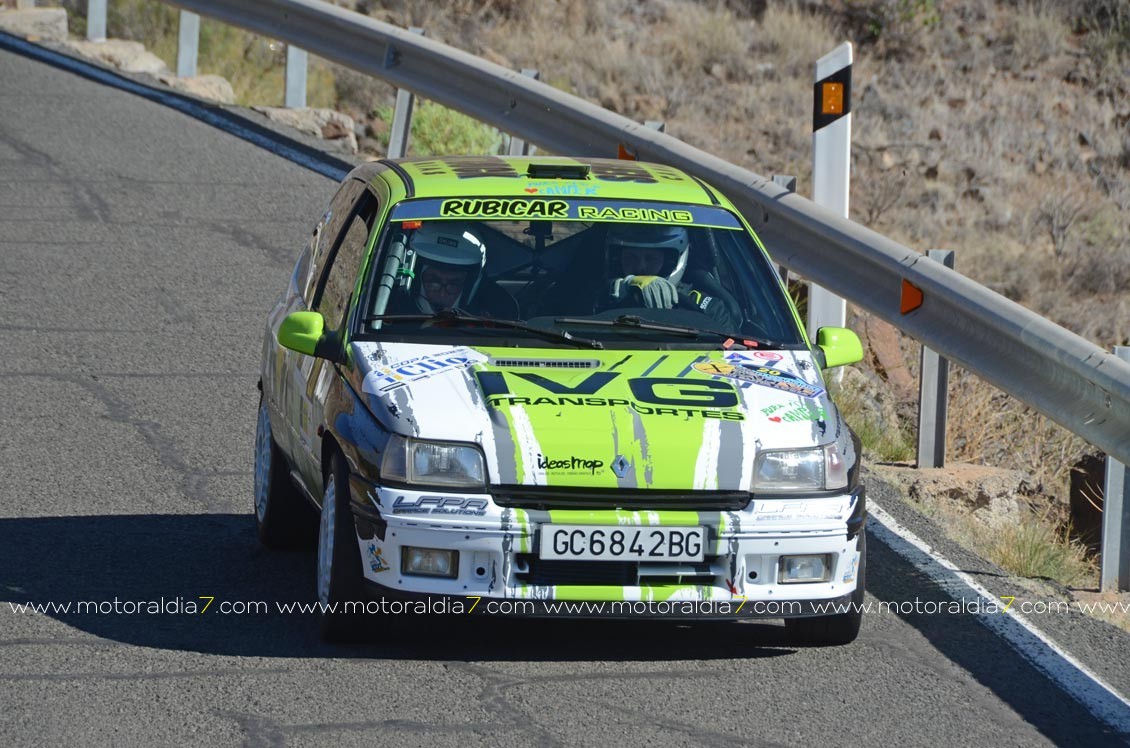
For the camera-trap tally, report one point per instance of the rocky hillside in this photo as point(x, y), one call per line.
point(999, 130)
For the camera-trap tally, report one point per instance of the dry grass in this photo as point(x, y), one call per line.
point(1032, 548)
point(988, 427)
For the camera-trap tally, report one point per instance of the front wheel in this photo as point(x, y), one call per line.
point(838, 629)
point(283, 519)
point(339, 576)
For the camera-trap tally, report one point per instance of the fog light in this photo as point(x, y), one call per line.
point(429, 562)
point(799, 569)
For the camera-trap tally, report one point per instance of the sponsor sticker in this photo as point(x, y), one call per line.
point(762, 376)
point(849, 575)
point(453, 505)
point(794, 511)
point(376, 561)
point(558, 187)
point(385, 378)
point(782, 413)
point(570, 465)
point(519, 207)
point(755, 357)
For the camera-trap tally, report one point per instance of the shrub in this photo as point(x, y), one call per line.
point(437, 130)
point(1033, 548)
point(1037, 33)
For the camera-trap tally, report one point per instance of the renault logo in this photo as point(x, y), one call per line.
point(620, 466)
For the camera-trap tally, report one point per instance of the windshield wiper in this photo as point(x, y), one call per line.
point(632, 322)
point(457, 318)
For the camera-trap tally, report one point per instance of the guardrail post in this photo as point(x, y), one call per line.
point(519, 147)
point(96, 20)
point(188, 43)
point(831, 168)
point(787, 181)
point(402, 117)
point(933, 393)
point(1115, 566)
point(295, 97)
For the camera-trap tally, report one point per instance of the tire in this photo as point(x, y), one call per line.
point(283, 518)
point(338, 574)
point(839, 629)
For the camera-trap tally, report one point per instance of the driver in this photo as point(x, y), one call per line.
point(444, 268)
point(445, 263)
point(648, 265)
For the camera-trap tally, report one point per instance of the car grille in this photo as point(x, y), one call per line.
point(535, 571)
point(541, 363)
point(542, 497)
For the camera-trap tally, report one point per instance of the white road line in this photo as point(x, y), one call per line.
point(1091, 691)
point(206, 113)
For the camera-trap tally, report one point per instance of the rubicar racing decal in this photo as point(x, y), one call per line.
point(580, 209)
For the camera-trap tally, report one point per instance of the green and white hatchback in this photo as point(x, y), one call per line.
point(553, 386)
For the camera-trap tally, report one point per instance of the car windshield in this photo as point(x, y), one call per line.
point(619, 273)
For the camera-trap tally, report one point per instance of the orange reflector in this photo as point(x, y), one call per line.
point(411, 224)
point(911, 297)
point(832, 98)
point(624, 154)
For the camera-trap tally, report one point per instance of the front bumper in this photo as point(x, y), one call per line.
point(499, 570)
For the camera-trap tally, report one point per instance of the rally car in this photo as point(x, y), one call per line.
point(554, 386)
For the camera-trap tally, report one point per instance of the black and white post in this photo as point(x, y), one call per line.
point(831, 166)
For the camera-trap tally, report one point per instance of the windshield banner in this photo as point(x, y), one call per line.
point(613, 211)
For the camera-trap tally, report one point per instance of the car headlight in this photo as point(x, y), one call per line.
point(433, 463)
point(819, 469)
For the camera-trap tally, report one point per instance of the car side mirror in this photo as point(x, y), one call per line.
point(305, 332)
point(840, 346)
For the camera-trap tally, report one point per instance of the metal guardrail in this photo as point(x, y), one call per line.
point(1069, 379)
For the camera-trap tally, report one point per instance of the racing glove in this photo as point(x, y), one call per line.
point(655, 291)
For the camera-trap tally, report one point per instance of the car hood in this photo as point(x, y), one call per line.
point(678, 420)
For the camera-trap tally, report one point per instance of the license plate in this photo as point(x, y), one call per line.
point(588, 543)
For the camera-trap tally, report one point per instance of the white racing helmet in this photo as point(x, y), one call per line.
point(449, 246)
point(673, 240)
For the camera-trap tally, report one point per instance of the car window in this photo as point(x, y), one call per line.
point(332, 298)
point(326, 234)
point(695, 268)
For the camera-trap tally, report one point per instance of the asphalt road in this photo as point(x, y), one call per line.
point(140, 250)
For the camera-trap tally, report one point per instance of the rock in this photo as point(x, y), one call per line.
point(211, 87)
point(49, 24)
point(334, 129)
point(883, 341)
point(321, 123)
point(878, 405)
point(127, 56)
point(995, 495)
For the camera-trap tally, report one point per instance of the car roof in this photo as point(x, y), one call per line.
point(529, 176)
